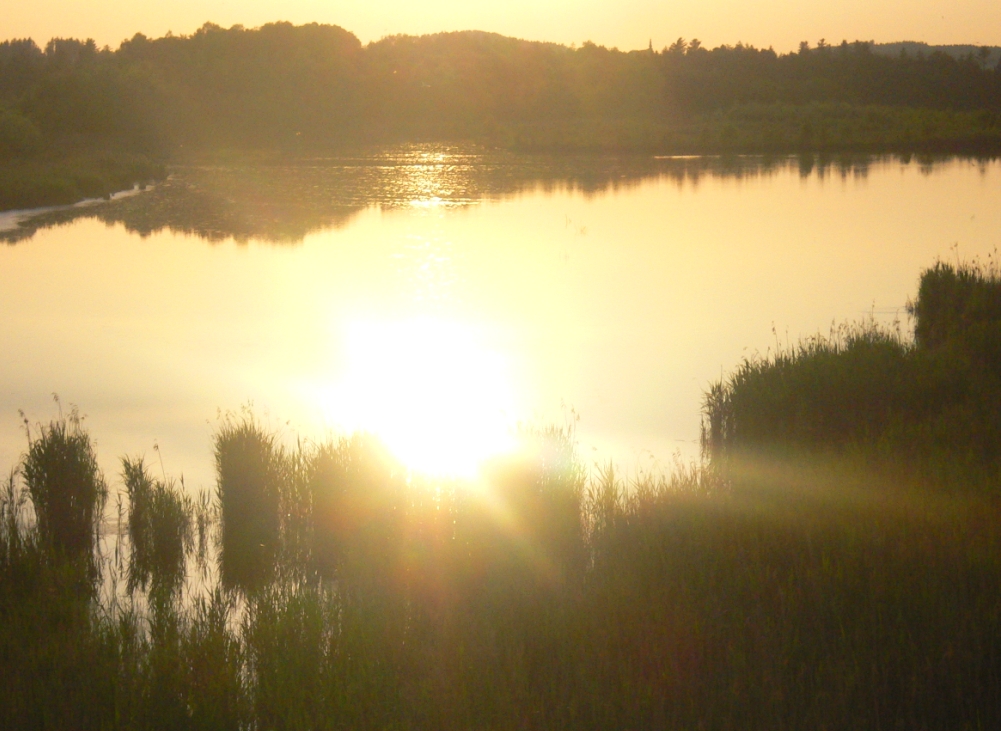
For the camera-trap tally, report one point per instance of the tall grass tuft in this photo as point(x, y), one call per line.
point(205, 516)
point(837, 391)
point(249, 471)
point(535, 507)
point(218, 696)
point(14, 538)
point(160, 529)
point(358, 496)
point(66, 486)
point(960, 307)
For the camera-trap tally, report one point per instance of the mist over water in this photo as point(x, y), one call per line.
point(439, 295)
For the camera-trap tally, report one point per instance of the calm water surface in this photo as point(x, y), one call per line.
point(439, 296)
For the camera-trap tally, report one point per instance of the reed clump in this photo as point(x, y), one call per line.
point(357, 494)
point(66, 486)
point(921, 406)
point(248, 464)
point(159, 528)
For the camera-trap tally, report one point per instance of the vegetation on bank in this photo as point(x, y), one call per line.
point(55, 180)
point(924, 408)
point(788, 582)
point(71, 126)
point(833, 128)
point(779, 600)
point(299, 90)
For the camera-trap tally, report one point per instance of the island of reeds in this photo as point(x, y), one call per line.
point(80, 121)
point(833, 562)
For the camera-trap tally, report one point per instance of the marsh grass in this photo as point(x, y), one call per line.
point(248, 464)
point(923, 407)
point(205, 516)
point(838, 389)
point(159, 529)
point(796, 584)
point(67, 489)
point(779, 595)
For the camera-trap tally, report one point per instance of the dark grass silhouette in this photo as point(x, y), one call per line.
point(790, 581)
point(160, 529)
point(66, 486)
point(248, 464)
point(923, 406)
point(795, 596)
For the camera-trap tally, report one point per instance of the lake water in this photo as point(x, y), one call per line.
point(438, 296)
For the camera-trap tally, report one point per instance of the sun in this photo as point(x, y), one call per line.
point(437, 396)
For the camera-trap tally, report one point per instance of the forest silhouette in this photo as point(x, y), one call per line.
point(80, 121)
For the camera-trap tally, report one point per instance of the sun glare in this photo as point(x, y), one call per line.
point(439, 399)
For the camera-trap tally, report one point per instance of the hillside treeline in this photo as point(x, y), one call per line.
point(283, 86)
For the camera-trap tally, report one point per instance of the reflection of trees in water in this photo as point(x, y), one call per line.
point(282, 202)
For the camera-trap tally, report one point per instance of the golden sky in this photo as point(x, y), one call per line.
point(627, 24)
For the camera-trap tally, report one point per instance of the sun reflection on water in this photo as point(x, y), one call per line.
point(439, 398)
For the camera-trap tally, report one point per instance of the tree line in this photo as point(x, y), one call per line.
point(289, 87)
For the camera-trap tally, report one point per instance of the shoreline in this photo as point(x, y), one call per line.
point(11, 220)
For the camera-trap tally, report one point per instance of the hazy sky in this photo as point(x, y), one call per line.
point(627, 24)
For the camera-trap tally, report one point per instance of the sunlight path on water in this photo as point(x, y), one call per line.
point(441, 323)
